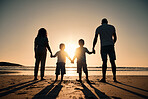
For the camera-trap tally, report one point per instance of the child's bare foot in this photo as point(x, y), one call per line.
point(43, 79)
point(79, 80)
point(87, 80)
point(35, 78)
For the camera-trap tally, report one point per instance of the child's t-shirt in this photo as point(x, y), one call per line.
point(61, 56)
point(80, 54)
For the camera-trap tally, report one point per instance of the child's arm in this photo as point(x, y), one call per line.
point(69, 58)
point(75, 56)
point(72, 61)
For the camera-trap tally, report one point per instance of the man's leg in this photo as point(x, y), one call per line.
point(104, 67)
point(104, 50)
point(113, 69)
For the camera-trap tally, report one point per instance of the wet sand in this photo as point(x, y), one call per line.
point(24, 87)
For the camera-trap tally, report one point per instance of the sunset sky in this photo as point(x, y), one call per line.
point(67, 21)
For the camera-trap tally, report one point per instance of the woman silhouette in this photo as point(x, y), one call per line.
point(40, 47)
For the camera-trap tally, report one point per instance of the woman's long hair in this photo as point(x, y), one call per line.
point(42, 32)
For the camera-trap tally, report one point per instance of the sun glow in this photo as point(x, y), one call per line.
point(70, 49)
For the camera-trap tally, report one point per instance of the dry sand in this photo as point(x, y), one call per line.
point(24, 87)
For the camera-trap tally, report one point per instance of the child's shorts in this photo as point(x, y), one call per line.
point(81, 65)
point(60, 66)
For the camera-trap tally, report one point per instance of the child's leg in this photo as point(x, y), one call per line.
point(63, 71)
point(86, 75)
point(62, 77)
point(56, 77)
point(57, 71)
point(80, 76)
point(85, 70)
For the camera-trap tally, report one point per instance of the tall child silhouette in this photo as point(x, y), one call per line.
point(81, 59)
point(40, 48)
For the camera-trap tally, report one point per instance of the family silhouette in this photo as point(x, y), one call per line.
point(108, 39)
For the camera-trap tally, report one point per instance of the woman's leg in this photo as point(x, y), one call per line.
point(43, 60)
point(36, 68)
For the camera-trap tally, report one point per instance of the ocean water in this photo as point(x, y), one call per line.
point(72, 71)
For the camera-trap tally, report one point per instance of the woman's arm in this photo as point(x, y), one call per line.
point(48, 47)
point(35, 46)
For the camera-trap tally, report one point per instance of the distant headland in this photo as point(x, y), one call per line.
point(9, 64)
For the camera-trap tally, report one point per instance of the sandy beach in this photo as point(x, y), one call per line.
point(24, 87)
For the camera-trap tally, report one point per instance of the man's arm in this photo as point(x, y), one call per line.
point(94, 42)
point(115, 37)
point(89, 51)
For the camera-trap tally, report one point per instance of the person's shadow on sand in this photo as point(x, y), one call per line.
point(131, 86)
point(100, 94)
point(88, 94)
point(14, 88)
point(50, 91)
point(117, 86)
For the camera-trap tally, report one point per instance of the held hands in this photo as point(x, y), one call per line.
point(93, 50)
point(51, 55)
point(72, 61)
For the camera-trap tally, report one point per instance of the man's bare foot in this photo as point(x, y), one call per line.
point(43, 79)
point(103, 80)
point(115, 80)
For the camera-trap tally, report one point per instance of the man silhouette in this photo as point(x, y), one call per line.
point(108, 39)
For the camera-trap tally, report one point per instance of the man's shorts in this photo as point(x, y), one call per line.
point(81, 65)
point(60, 67)
point(108, 50)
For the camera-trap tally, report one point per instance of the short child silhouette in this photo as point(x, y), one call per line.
point(61, 56)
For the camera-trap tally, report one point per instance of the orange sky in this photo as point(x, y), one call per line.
point(67, 21)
